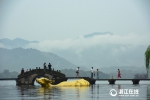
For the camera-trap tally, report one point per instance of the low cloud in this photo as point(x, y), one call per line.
point(82, 43)
point(1, 45)
point(98, 50)
point(4, 46)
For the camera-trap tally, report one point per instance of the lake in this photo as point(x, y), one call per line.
point(122, 90)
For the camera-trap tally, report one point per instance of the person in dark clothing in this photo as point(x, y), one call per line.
point(22, 71)
point(97, 72)
point(49, 66)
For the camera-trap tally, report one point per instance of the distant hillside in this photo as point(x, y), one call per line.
point(97, 33)
point(126, 71)
point(83, 73)
point(134, 69)
point(18, 42)
point(7, 74)
point(95, 49)
point(18, 58)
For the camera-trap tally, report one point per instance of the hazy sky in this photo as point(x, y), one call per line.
point(62, 19)
point(58, 23)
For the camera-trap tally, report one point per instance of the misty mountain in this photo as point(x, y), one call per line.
point(97, 33)
point(18, 42)
point(7, 74)
point(98, 50)
point(83, 73)
point(106, 56)
point(133, 69)
point(18, 58)
point(126, 71)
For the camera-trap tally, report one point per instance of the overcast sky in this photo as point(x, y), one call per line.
point(62, 19)
point(56, 24)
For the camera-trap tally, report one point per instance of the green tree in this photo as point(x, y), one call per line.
point(147, 59)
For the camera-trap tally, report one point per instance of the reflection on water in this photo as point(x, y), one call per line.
point(10, 91)
point(148, 92)
point(59, 93)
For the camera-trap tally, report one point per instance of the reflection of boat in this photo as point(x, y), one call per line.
point(141, 76)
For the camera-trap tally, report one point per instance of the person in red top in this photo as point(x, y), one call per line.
point(119, 75)
point(22, 71)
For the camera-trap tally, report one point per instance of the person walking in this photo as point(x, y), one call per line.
point(44, 65)
point(119, 74)
point(92, 71)
point(49, 66)
point(97, 72)
point(77, 72)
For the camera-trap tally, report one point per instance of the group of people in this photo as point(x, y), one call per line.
point(49, 66)
point(22, 71)
point(95, 73)
point(44, 65)
point(92, 73)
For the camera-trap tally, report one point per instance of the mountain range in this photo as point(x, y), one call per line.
point(18, 42)
point(91, 50)
point(18, 58)
point(97, 33)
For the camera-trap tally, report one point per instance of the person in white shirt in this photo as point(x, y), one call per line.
point(92, 71)
point(77, 72)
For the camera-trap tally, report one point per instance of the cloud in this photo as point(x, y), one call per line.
point(98, 50)
point(4, 46)
point(1, 45)
point(82, 43)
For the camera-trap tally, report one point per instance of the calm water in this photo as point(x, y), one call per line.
point(99, 91)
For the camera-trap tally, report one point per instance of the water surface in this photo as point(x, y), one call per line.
point(99, 91)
